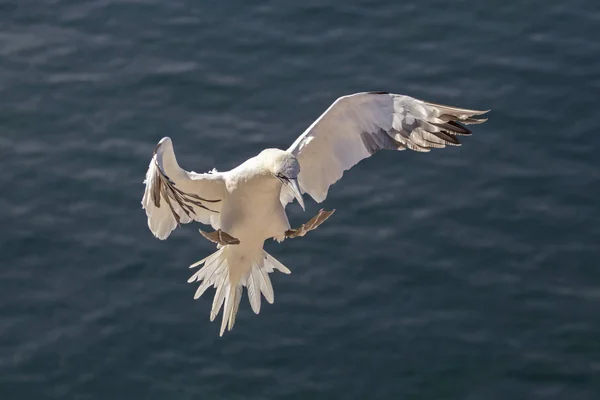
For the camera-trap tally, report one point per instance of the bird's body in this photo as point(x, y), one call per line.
point(246, 205)
point(252, 211)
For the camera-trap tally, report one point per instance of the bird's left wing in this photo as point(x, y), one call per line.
point(173, 195)
point(357, 126)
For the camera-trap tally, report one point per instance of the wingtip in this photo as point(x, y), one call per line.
point(473, 121)
point(460, 110)
point(481, 112)
point(165, 140)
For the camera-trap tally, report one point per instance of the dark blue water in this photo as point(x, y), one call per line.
point(464, 273)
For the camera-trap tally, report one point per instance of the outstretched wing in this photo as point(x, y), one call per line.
point(357, 126)
point(174, 196)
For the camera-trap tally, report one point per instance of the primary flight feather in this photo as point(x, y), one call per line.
point(246, 205)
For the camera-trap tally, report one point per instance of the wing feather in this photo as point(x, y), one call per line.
point(174, 196)
point(357, 126)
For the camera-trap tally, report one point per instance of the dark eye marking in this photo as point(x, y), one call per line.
point(281, 176)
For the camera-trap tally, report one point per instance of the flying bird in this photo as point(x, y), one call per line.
point(246, 205)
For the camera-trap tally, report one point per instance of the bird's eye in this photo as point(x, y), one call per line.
point(280, 175)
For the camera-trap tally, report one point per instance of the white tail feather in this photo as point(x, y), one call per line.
point(266, 288)
point(229, 286)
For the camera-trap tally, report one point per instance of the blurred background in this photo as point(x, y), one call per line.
point(464, 273)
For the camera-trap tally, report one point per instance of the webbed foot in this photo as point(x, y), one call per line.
point(312, 224)
point(220, 237)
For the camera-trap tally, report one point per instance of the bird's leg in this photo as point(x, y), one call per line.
point(220, 237)
point(312, 224)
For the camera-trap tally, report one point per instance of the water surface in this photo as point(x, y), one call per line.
point(464, 273)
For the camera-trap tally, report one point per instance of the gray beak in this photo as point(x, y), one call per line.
point(293, 185)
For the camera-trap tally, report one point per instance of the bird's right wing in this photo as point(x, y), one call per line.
point(357, 126)
point(173, 195)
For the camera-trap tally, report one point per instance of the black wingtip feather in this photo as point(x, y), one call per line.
point(460, 129)
point(453, 127)
point(447, 137)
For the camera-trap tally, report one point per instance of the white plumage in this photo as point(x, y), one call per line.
point(246, 205)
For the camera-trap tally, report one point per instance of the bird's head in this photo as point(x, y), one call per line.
point(285, 167)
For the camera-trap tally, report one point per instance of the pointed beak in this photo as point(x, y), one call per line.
point(293, 185)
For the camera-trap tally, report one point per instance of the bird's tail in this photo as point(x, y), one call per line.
point(229, 269)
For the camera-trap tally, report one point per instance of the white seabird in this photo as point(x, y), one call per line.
point(246, 205)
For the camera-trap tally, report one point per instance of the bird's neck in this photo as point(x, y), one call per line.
point(260, 183)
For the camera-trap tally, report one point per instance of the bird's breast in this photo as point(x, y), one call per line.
point(253, 212)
